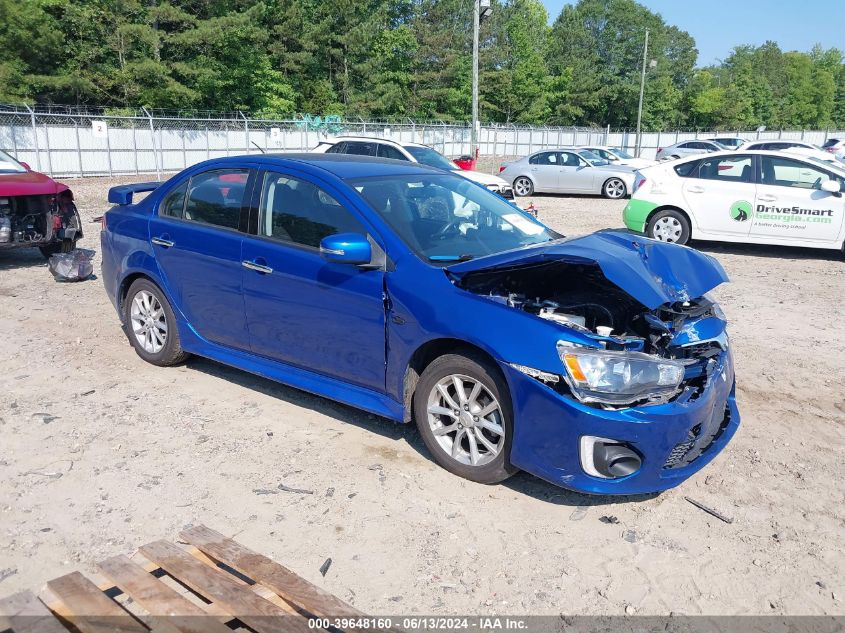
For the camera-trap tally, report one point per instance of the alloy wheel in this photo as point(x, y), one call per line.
point(466, 420)
point(667, 229)
point(614, 188)
point(149, 322)
point(522, 186)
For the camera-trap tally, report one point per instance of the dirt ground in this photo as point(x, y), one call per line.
point(102, 452)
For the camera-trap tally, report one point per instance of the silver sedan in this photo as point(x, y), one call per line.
point(568, 170)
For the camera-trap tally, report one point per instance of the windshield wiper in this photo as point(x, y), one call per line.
point(451, 258)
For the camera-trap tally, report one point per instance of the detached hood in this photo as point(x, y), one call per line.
point(652, 272)
point(481, 177)
point(28, 183)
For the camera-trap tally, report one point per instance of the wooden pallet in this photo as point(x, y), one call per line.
point(213, 585)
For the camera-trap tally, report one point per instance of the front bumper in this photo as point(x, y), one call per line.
point(506, 191)
point(548, 427)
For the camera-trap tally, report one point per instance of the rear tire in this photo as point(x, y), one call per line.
point(670, 226)
point(463, 411)
point(151, 325)
point(523, 186)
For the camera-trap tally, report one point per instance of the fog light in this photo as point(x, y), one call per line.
point(607, 458)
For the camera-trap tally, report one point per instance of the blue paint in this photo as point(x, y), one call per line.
point(349, 332)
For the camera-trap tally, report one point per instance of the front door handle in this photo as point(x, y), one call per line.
point(259, 268)
point(768, 198)
point(695, 189)
point(160, 241)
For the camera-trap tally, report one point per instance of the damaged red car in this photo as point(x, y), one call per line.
point(35, 210)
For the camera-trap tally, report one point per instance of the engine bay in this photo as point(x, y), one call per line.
point(34, 220)
point(580, 297)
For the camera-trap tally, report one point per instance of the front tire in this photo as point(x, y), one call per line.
point(463, 411)
point(151, 325)
point(614, 188)
point(669, 225)
point(523, 186)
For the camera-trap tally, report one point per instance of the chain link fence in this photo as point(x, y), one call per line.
point(68, 141)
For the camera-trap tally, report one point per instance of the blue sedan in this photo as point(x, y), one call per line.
point(597, 363)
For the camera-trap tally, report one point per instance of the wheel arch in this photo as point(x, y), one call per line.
point(127, 281)
point(429, 351)
point(669, 207)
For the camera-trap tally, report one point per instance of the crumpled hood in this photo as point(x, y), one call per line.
point(29, 183)
point(652, 272)
point(482, 178)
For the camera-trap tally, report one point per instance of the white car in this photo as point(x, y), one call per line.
point(413, 152)
point(758, 197)
point(616, 156)
point(567, 170)
point(778, 145)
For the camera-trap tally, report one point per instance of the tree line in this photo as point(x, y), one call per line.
point(405, 58)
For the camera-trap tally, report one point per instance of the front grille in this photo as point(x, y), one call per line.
point(698, 440)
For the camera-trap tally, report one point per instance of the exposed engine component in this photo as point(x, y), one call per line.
point(580, 297)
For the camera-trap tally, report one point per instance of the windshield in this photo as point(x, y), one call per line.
point(621, 153)
point(9, 164)
point(830, 142)
point(446, 219)
point(430, 157)
point(592, 158)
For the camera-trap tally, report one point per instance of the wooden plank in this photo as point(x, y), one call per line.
point(283, 581)
point(89, 609)
point(219, 587)
point(159, 599)
point(24, 613)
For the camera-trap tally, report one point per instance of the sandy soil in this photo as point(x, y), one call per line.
point(102, 453)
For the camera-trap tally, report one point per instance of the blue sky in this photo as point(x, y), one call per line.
point(720, 25)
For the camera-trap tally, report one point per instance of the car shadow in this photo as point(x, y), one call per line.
point(767, 250)
point(14, 258)
point(522, 483)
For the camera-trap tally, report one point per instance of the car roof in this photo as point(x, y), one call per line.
point(758, 152)
point(343, 166)
point(371, 139)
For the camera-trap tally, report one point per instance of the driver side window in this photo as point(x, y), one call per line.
point(297, 211)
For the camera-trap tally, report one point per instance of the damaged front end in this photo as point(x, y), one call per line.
point(48, 221)
point(630, 333)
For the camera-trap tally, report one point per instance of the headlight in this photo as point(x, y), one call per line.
point(609, 377)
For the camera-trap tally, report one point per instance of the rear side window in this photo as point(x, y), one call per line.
point(360, 149)
point(295, 210)
point(388, 151)
point(174, 203)
point(727, 168)
point(337, 148)
point(216, 197)
point(831, 142)
point(687, 170)
point(545, 158)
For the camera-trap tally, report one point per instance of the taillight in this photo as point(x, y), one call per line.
point(501, 168)
point(659, 149)
point(639, 181)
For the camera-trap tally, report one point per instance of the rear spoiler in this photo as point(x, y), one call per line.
point(122, 194)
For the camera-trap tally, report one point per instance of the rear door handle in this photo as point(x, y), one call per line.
point(259, 268)
point(768, 198)
point(695, 189)
point(160, 241)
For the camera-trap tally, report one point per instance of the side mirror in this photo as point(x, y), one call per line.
point(346, 248)
point(831, 186)
point(25, 166)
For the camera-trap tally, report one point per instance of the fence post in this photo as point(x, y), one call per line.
point(78, 146)
point(246, 130)
point(135, 146)
point(49, 157)
point(530, 139)
point(207, 143)
point(108, 149)
point(184, 153)
point(35, 138)
point(14, 129)
point(153, 138)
